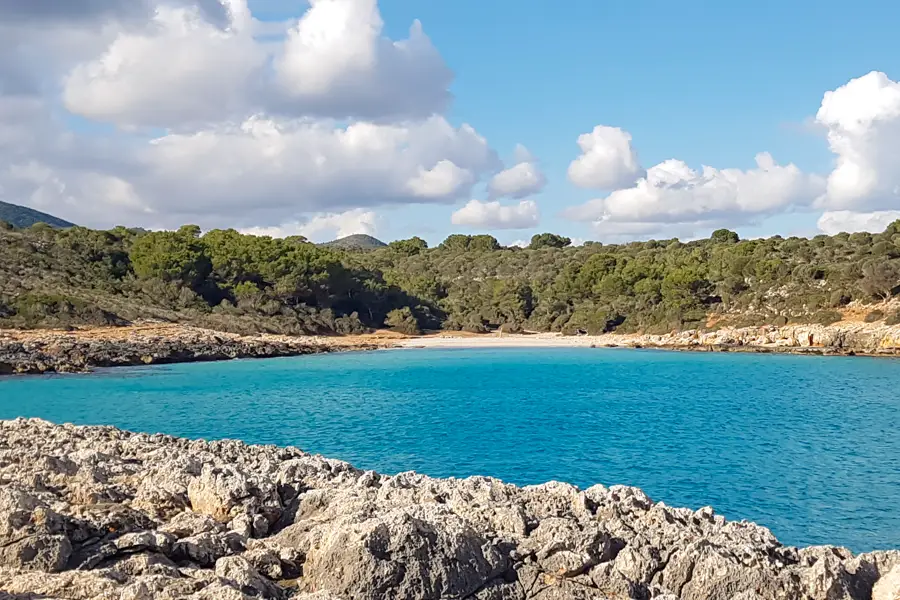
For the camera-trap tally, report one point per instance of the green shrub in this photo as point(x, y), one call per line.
point(826, 317)
point(404, 321)
point(893, 318)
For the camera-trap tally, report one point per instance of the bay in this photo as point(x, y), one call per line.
point(807, 446)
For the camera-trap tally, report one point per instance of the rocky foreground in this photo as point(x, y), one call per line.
point(31, 352)
point(99, 513)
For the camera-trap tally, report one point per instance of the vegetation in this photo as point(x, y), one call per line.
point(358, 242)
point(13, 215)
point(226, 280)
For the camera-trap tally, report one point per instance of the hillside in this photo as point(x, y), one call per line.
point(358, 241)
point(224, 280)
point(21, 216)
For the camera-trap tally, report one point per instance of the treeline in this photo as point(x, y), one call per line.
point(227, 280)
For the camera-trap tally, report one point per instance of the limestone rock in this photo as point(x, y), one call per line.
point(888, 586)
point(91, 513)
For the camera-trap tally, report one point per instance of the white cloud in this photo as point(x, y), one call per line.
point(179, 68)
point(325, 227)
point(493, 215)
point(519, 181)
point(863, 123)
point(283, 168)
point(833, 222)
point(336, 62)
point(186, 66)
point(608, 161)
point(443, 181)
point(672, 192)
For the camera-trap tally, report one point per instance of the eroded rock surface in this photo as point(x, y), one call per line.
point(34, 352)
point(99, 513)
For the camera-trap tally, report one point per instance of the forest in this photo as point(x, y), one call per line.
point(222, 279)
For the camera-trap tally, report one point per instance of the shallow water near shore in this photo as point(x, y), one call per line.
point(807, 446)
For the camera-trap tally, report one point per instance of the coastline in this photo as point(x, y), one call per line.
point(841, 339)
point(97, 512)
point(81, 350)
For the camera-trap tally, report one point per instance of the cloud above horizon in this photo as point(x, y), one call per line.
point(161, 112)
point(214, 123)
point(862, 121)
point(494, 215)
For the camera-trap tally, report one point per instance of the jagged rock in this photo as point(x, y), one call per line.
point(98, 513)
point(239, 573)
point(888, 586)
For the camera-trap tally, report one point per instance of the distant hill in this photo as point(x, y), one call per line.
point(21, 216)
point(359, 241)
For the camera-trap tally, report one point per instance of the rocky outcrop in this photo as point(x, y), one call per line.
point(99, 513)
point(851, 338)
point(78, 351)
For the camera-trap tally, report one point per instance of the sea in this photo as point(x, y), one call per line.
point(807, 446)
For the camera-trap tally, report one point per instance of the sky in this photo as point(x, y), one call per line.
point(596, 119)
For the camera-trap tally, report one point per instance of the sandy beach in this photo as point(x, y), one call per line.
point(537, 340)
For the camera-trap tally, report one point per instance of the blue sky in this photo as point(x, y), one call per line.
point(707, 83)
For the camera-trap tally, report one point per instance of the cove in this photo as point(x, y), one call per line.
point(806, 446)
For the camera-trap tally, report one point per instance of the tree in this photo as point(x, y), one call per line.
point(410, 247)
point(724, 236)
point(403, 320)
point(456, 242)
point(549, 240)
point(880, 279)
point(483, 243)
point(172, 256)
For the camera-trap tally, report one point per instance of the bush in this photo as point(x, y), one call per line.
point(826, 317)
point(875, 315)
point(404, 321)
point(893, 318)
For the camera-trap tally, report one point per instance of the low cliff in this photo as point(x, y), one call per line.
point(840, 338)
point(81, 350)
point(99, 513)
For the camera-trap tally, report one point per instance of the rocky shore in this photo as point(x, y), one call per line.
point(82, 350)
point(850, 338)
point(99, 513)
point(76, 351)
point(847, 339)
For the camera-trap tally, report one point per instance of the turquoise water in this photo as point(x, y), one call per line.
point(807, 446)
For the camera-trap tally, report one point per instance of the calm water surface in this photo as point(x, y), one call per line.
point(807, 446)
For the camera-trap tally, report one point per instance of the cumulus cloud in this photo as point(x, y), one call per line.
point(833, 222)
point(281, 168)
point(862, 118)
point(673, 192)
point(444, 180)
point(336, 62)
point(608, 161)
point(234, 145)
point(519, 181)
point(673, 196)
point(493, 215)
point(325, 227)
point(189, 64)
point(75, 11)
point(180, 68)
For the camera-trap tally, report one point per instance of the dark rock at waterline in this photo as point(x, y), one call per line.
point(79, 351)
point(95, 512)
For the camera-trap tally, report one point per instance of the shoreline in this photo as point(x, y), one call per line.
point(79, 351)
point(843, 339)
point(93, 512)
